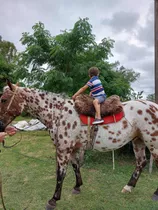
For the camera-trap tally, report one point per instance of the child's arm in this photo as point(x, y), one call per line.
point(81, 90)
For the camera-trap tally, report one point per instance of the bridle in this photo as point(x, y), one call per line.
point(10, 103)
point(8, 107)
point(12, 98)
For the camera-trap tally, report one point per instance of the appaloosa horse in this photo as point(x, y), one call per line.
point(140, 125)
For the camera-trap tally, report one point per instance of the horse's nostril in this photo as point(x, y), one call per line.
point(2, 128)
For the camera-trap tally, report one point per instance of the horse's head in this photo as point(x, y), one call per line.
point(11, 103)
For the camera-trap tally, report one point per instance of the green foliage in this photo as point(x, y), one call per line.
point(61, 63)
point(8, 54)
point(7, 51)
point(117, 80)
point(151, 97)
point(37, 46)
point(137, 95)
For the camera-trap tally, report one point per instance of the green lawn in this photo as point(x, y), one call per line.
point(28, 173)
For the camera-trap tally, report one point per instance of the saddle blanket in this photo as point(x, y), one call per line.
point(108, 119)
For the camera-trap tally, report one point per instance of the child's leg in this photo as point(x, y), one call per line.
point(97, 108)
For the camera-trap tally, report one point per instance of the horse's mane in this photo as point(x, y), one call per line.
point(45, 92)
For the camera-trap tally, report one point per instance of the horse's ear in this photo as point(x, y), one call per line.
point(17, 84)
point(11, 86)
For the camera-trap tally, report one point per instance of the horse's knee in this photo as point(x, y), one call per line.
point(141, 164)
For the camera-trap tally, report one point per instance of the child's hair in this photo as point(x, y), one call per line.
point(93, 71)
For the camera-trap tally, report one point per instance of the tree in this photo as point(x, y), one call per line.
point(60, 63)
point(137, 95)
point(8, 54)
point(35, 60)
point(151, 97)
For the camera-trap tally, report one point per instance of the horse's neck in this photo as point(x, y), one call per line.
point(43, 105)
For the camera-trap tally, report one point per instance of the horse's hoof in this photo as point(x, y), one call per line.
point(76, 191)
point(124, 190)
point(50, 207)
point(155, 197)
point(127, 189)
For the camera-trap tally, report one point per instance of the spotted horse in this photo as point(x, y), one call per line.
point(140, 125)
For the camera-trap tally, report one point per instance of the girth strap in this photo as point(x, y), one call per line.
point(91, 134)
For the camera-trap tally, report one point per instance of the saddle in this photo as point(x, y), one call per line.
point(111, 106)
point(111, 112)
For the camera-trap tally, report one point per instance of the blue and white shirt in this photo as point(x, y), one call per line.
point(96, 87)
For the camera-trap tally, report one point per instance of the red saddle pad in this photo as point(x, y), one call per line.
point(108, 119)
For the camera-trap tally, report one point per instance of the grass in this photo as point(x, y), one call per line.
point(19, 118)
point(29, 178)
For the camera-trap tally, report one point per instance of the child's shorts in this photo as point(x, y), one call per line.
point(101, 99)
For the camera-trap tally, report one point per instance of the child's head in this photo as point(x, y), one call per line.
point(93, 71)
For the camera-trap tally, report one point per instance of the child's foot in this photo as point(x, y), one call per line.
point(98, 121)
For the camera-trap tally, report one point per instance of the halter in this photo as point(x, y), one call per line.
point(12, 98)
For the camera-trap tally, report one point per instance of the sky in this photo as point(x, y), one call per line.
point(129, 23)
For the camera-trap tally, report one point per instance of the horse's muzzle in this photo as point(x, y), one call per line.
point(2, 127)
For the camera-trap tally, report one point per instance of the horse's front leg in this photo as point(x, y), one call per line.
point(75, 161)
point(139, 150)
point(62, 163)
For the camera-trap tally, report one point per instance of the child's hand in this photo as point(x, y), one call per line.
point(2, 135)
point(10, 130)
point(73, 97)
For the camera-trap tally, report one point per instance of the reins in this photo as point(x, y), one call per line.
point(7, 147)
point(4, 146)
point(1, 194)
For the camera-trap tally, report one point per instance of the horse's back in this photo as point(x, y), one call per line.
point(141, 108)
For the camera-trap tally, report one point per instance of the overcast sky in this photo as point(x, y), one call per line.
point(129, 23)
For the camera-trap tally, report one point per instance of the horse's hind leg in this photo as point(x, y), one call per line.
point(139, 150)
point(155, 156)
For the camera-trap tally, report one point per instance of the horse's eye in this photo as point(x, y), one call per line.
point(3, 100)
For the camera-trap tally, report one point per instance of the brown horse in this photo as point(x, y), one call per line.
point(58, 114)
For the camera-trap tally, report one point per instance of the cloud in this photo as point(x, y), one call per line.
point(129, 23)
point(122, 21)
point(147, 85)
point(132, 52)
point(146, 33)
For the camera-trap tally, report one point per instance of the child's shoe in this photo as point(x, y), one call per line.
point(98, 121)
